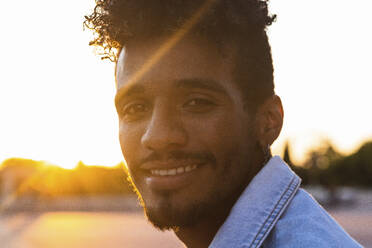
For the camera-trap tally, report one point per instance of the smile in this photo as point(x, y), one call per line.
point(173, 171)
point(172, 176)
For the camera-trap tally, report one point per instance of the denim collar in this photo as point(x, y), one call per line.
point(259, 207)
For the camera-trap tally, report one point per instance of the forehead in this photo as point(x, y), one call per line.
point(157, 61)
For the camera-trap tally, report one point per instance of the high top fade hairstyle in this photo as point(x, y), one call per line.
point(240, 23)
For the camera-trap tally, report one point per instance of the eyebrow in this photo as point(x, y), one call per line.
point(190, 83)
point(200, 83)
point(128, 91)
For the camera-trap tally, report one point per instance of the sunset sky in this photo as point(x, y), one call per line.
point(56, 95)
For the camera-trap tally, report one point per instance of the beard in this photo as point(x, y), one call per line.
point(166, 214)
point(183, 208)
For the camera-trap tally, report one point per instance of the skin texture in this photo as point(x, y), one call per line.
point(185, 110)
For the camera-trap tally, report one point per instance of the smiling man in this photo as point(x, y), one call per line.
point(198, 114)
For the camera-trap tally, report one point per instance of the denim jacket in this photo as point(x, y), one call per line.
point(274, 212)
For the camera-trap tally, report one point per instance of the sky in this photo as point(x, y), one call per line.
point(56, 95)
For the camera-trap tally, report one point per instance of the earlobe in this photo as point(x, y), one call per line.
point(270, 120)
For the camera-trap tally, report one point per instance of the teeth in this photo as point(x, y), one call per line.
point(174, 171)
point(188, 168)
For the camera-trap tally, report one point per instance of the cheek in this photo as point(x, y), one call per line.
point(219, 134)
point(129, 141)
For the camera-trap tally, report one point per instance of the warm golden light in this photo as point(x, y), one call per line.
point(57, 96)
point(171, 42)
point(77, 229)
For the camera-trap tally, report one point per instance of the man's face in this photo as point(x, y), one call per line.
point(184, 133)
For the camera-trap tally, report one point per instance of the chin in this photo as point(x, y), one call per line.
point(165, 215)
point(167, 211)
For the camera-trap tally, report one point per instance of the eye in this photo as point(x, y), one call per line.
point(199, 105)
point(134, 111)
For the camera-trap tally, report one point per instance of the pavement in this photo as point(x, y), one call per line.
point(129, 229)
point(114, 230)
point(80, 230)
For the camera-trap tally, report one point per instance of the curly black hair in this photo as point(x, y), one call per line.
point(242, 23)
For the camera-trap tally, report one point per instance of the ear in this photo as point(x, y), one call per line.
point(270, 120)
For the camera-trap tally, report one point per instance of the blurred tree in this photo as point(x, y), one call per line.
point(355, 169)
point(299, 170)
point(325, 166)
point(286, 155)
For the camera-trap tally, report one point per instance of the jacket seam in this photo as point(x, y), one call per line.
point(285, 197)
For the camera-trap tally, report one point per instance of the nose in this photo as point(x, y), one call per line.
point(164, 131)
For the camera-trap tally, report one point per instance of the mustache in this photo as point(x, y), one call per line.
point(179, 155)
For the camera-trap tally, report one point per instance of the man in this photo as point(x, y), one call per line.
point(198, 113)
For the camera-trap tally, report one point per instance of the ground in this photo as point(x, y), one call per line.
point(129, 229)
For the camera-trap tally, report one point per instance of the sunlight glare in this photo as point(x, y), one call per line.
point(57, 96)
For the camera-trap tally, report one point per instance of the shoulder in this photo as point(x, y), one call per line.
point(306, 224)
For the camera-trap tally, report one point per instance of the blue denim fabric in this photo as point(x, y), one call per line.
point(274, 212)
